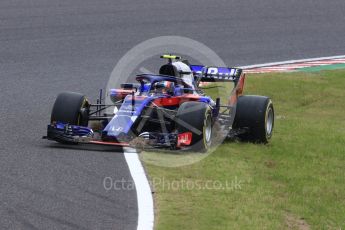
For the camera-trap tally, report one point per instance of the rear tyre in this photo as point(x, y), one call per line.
point(196, 117)
point(257, 114)
point(71, 108)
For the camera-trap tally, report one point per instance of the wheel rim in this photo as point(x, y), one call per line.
point(269, 121)
point(208, 130)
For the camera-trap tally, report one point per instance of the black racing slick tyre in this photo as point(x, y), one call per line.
point(71, 108)
point(255, 113)
point(196, 117)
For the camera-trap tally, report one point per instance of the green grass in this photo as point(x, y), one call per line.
point(297, 181)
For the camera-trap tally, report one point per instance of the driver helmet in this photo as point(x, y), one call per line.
point(163, 86)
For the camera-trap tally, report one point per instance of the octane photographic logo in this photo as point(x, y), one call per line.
point(181, 184)
point(140, 60)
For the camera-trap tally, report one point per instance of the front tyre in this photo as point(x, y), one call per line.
point(255, 113)
point(196, 117)
point(71, 108)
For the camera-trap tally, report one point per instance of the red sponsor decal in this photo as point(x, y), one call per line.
point(184, 139)
point(170, 101)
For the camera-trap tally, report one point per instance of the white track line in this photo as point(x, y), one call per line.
point(291, 62)
point(144, 193)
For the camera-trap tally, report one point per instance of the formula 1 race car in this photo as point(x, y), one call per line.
point(165, 110)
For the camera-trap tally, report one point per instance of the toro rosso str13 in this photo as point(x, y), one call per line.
point(165, 110)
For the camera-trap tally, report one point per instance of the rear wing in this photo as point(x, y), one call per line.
point(216, 74)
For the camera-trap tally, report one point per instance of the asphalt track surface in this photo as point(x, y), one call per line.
point(51, 46)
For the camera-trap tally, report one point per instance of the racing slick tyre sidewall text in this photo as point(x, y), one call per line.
point(71, 108)
point(257, 114)
point(198, 115)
